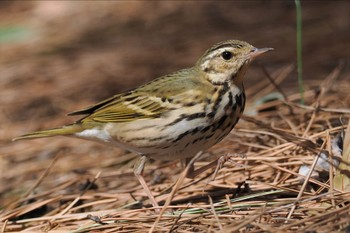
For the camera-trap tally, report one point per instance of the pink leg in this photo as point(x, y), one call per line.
point(138, 171)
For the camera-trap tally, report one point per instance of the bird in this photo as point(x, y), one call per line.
point(173, 117)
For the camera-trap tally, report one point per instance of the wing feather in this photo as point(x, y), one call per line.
point(124, 111)
point(148, 101)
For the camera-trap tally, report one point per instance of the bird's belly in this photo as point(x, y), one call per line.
point(163, 140)
point(160, 140)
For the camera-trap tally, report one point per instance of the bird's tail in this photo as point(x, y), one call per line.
point(65, 130)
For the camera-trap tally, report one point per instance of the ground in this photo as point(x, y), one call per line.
point(57, 57)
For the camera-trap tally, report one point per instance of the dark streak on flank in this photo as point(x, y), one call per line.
point(209, 136)
point(145, 127)
point(220, 123)
point(187, 117)
point(196, 130)
point(205, 129)
point(211, 114)
point(198, 139)
point(195, 115)
point(182, 117)
point(202, 138)
point(146, 138)
point(191, 131)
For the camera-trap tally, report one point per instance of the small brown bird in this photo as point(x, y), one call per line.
point(174, 116)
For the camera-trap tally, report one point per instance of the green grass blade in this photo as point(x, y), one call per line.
point(299, 50)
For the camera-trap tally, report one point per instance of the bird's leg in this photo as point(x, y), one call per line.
point(223, 159)
point(138, 171)
point(218, 163)
point(193, 173)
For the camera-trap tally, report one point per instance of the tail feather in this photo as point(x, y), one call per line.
point(65, 130)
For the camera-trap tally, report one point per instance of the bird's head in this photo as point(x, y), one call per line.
point(227, 61)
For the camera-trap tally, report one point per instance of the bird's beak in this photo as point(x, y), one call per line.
point(257, 52)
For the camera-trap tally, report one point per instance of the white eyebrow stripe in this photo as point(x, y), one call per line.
point(214, 53)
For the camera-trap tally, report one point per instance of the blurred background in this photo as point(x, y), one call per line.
point(60, 56)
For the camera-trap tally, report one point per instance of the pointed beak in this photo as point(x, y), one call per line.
point(257, 52)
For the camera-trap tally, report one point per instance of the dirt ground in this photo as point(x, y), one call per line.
point(57, 57)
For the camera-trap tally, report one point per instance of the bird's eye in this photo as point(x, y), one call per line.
point(226, 55)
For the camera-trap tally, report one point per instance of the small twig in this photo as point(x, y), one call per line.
point(274, 83)
point(289, 123)
point(300, 141)
point(328, 82)
point(325, 86)
point(281, 207)
point(173, 227)
point(96, 219)
point(306, 181)
point(28, 208)
point(308, 127)
point(295, 174)
point(263, 87)
point(331, 174)
point(313, 218)
point(42, 177)
point(249, 220)
point(37, 183)
point(175, 188)
point(78, 197)
point(214, 212)
point(228, 201)
point(4, 226)
point(331, 110)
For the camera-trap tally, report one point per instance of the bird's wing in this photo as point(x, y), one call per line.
point(148, 101)
point(128, 108)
